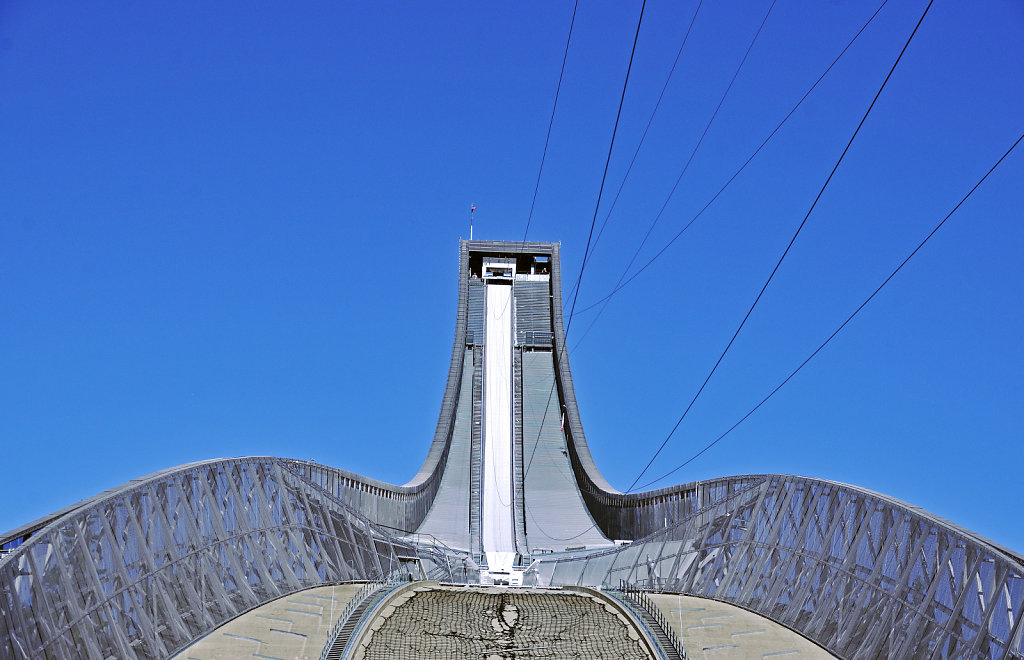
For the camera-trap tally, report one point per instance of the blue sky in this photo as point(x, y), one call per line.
point(231, 229)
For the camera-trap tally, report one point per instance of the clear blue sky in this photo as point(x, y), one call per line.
point(231, 229)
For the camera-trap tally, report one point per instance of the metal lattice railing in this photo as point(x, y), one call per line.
point(360, 597)
point(357, 600)
point(143, 571)
point(643, 600)
point(861, 574)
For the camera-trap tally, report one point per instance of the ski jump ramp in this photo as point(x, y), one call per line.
point(508, 486)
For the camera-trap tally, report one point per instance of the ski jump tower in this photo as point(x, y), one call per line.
point(508, 492)
point(509, 435)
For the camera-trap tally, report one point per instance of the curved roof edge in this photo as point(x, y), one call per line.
point(149, 566)
point(639, 501)
point(446, 418)
point(29, 528)
point(650, 498)
point(565, 385)
point(23, 532)
point(860, 573)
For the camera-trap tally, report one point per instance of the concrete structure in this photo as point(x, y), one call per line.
point(294, 626)
point(712, 629)
point(508, 492)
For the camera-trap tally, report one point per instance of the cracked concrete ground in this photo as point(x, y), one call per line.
point(501, 624)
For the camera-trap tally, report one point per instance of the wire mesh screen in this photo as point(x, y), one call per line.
point(449, 623)
point(861, 574)
point(149, 568)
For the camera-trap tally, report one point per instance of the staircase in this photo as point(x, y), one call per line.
point(348, 622)
point(670, 646)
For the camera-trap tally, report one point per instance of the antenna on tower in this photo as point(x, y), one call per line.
point(472, 208)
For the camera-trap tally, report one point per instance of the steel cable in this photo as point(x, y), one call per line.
point(792, 240)
point(607, 162)
point(735, 174)
point(647, 128)
point(597, 206)
point(686, 166)
point(843, 324)
point(551, 122)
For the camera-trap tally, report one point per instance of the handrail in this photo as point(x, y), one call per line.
point(447, 553)
point(436, 540)
point(360, 596)
point(416, 536)
point(644, 601)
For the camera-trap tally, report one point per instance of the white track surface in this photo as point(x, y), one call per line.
point(499, 542)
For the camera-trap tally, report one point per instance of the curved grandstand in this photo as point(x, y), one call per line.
point(146, 569)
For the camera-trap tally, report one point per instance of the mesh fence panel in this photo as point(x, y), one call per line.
point(148, 568)
point(859, 573)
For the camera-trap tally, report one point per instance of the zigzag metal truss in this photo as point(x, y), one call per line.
point(861, 574)
point(144, 569)
point(156, 564)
